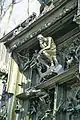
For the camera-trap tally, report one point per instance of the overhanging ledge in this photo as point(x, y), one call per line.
point(43, 24)
point(66, 76)
point(59, 79)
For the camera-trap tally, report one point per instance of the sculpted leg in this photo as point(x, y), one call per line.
point(49, 57)
point(55, 60)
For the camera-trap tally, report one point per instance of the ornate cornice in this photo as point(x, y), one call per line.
point(51, 21)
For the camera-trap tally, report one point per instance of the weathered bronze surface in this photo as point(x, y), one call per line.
point(47, 51)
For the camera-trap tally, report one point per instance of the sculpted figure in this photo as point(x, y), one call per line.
point(48, 49)
point(45, 5)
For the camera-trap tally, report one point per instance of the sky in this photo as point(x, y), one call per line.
point(19, 14)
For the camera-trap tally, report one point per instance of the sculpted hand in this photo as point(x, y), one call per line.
point(40, 52)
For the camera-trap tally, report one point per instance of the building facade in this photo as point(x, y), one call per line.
point(4, 95)
point(44, 74)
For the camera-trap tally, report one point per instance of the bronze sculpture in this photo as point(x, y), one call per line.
point(48, 49)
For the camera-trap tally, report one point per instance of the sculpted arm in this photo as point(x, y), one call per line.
point(48, 46)
point(41, 44)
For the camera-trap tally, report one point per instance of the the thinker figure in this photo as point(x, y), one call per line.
point(48, 49)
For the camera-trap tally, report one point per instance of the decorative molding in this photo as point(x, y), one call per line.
point(51, 19)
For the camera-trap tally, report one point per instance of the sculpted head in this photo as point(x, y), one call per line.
point(40, 37)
